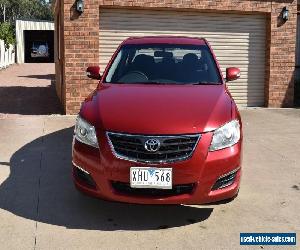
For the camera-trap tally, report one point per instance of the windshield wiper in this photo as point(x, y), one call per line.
point(156, 83)
point(171, 83)
point(205, 83)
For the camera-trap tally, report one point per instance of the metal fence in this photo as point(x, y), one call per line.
point(7, 56)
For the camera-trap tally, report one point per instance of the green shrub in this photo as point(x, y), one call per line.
point(7, 34)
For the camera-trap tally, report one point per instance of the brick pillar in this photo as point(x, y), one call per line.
point(81, 33)
point(282, 39)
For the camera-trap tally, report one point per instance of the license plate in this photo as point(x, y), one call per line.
point(143, 177)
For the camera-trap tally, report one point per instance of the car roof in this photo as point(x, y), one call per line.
point(165, 40)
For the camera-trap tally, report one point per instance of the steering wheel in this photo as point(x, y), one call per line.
point(138, 72)
point(134, 76)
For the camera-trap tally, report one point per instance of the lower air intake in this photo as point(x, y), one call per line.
point(225, 180)
point(124, 188)
point(84, 178)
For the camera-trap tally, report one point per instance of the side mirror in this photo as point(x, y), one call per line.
point(93, 72)
point(232, 74)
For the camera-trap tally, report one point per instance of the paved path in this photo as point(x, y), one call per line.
point(40, 208)
point(28, 89)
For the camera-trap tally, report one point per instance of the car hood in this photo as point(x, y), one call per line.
point(158, 109)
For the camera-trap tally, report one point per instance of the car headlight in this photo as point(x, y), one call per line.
point(85, 132)
point(226, 136)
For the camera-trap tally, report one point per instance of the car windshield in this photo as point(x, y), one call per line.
point(39, 44)
point(164, 64)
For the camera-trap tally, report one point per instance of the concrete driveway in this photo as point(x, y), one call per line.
point(40, 208)
point(28, 89)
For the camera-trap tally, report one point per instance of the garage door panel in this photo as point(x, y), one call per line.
point(192, 18)
point(237, 40)
point(217, 38)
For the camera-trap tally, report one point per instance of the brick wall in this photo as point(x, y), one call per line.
point(282, 57)
point(81, 43)
point(59, 55)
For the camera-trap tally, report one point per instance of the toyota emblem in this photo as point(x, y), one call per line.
point(152, 145)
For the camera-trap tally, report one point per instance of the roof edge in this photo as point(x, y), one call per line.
point(34, 20)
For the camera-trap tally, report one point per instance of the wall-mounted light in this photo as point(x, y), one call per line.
point(80, 6)
point(285, 14)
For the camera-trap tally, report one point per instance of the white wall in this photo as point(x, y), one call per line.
point(21, 26)
point(7, 56)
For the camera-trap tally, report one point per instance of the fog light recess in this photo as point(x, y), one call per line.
point(225, 180)
point(84, 176)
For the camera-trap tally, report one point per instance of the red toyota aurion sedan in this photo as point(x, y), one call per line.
point(161, 127)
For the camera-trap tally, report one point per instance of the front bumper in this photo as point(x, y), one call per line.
point(202, 171)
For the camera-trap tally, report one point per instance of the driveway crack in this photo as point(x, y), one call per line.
point(38, 201)
point(39, 188)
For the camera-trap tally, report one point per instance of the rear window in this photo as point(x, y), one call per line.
point(168, 64)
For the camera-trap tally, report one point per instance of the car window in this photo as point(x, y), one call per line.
point(38, 44)
point(168, 64)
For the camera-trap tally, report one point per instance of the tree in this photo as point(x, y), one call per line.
point(7, 34)
point(3, 4)
point(10, 10)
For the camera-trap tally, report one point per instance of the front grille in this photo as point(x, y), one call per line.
point(124, 188)
point(172, 148)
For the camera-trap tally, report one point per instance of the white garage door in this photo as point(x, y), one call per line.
point(237, 40)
